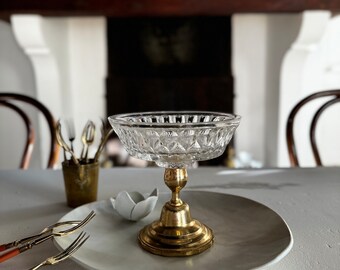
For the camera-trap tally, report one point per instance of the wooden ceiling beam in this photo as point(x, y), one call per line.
point(140, 8)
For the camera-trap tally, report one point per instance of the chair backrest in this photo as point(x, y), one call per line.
point(334, 97)
point(7, 99)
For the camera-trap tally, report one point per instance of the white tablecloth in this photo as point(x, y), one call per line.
point(307, 199)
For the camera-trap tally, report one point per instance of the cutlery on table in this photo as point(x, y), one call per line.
point(75, 245)
point(87, 139)
point(63, 144)
point(104, 128)
point(46, 230)
point(102, 144)
point(71, 131)
point(28, 242)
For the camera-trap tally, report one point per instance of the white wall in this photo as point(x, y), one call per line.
point(16, 75)
point(87, 55)
point(310, 65)
point(62, 63)
point(259, 43)
point(249, 48)
point(282, 30)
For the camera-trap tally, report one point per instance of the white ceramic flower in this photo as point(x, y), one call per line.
point(133, 205)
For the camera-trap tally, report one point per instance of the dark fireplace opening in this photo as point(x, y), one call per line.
point(169, 63)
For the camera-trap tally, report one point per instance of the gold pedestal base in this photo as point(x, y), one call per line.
point(176, 233)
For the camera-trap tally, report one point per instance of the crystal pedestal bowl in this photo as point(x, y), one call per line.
point(175, 140)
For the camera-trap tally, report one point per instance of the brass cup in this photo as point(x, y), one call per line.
point(81, 182)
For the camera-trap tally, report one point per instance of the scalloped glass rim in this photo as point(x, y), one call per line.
point(123, 119)
point(175, 139)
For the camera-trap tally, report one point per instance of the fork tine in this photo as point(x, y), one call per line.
point(63, 144)
point(73, 247)
point(28, 242)
point(80, 225)
point(74, 243)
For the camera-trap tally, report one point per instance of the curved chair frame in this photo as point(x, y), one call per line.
point(30, 136)
point(294, 161)
point(5, 99)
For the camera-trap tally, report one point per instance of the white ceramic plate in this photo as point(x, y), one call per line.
point(247, 235)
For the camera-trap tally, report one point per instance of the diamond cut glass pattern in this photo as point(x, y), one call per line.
point(175, 139)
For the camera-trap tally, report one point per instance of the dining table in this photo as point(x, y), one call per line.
point(307, 199)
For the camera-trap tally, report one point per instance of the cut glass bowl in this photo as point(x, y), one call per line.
point(175, 139)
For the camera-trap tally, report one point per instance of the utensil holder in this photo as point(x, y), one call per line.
point(81, 182)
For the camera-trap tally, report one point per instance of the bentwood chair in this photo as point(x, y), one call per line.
point(13, 101)
point(334, 97)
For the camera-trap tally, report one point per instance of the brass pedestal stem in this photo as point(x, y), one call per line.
point(176, 233)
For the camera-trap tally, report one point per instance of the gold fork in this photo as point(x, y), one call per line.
point(40, 238)
point(63, 144)
point(75, 245)
point(46, 230)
